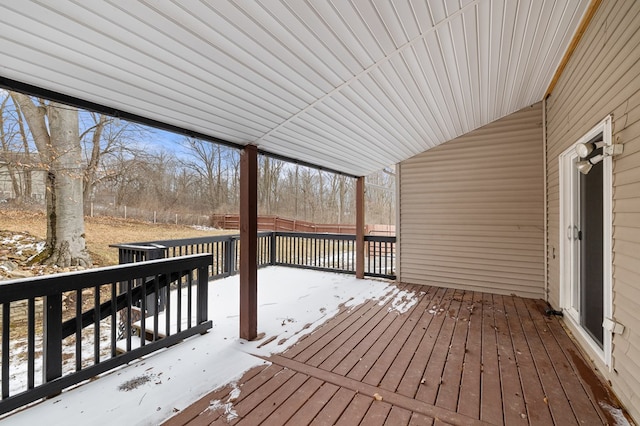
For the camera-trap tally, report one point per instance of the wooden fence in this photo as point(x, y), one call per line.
point(275, 223)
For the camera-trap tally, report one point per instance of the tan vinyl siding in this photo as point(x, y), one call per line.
point(471, 210)
point(602, 78)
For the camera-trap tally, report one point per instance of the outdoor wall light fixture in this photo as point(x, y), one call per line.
point(612, 150)
point(585, 166)
point(585, 149)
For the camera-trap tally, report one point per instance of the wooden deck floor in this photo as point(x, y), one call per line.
point(454, 358)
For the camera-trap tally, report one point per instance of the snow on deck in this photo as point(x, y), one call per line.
point(291, 304)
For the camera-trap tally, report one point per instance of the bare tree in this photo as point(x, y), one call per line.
point(380, 198)
point(91, 171)
point(14, 150)
point(103, 138)
point(204, 159)
point(55, 131)
point(217, 168)
point(270, 175)
point(6, 142)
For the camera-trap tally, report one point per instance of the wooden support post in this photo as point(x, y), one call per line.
point(360, 227)
point(249, 243)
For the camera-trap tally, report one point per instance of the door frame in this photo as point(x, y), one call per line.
point(569, 200)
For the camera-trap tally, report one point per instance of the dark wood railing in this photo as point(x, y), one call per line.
point(77, 325)
point(319, 251)
point(55, 336)
point(224, 248)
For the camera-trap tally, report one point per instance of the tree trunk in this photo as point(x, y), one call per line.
point(69, 248)
point(59, 148)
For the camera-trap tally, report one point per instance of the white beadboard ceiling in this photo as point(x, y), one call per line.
point(350, 85)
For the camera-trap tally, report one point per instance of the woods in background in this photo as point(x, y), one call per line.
point(126, 164)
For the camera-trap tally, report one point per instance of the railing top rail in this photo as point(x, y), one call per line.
point(26, 288)
point(316, 235)
point(381, 238)
point(139, 246)
point(185, 241)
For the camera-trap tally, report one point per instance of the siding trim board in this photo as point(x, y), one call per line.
point(471, 210)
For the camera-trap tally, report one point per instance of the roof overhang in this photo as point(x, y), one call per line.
point(347, 85)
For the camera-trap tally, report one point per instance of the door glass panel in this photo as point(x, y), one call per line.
point(591, 252)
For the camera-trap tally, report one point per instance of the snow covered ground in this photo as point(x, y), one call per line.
point(292, 303)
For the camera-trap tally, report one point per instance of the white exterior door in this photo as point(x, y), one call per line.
point(585, 243)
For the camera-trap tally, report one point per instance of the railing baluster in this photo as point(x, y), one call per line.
point(202, 306)
point(333, 255)
point(314, 247)
point(78, 330)
point(143, 315)
point(156, 307)
point(167, 313)
point(179, 304)
point(307, 251)
point(31, 342)
point(96, 325)
point(52, 337)
point(386, 259)
point(127, 325)
point(189, 298)
point(114, 322)
point(272, 248)
point(6, 337)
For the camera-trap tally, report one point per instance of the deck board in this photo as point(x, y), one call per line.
point(254, 401)
point(449, 389)
point(420, 420)
point(377, 414)
point(454, 357)
point(513, 406)
point(349, 339)
point(470, 383)
point(355, 411)
point(490, 387)
point(415, 355)
point(398, 416)
point(580, 377)
point(338, 330)
point(581, 404)
point(333, 409)
point(294, 403)
point(271, 400)
point(376, 364)
point(537, 411)
point(359, 360)
point(433, 374)
point(553, 394)
point(318, 400)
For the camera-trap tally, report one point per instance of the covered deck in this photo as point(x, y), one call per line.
point(454, 357)
point(350, 90)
